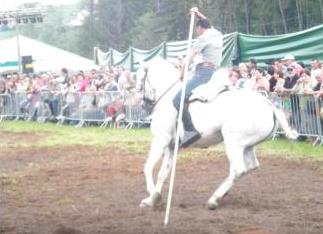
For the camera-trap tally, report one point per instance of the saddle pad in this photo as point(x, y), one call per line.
point(218, 83)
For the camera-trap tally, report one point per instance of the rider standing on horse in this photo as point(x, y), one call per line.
point(208, 46)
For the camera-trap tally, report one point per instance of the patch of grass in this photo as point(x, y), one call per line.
point(54, 135)
point(9, 181)
point(137, 140)
point(292, 149)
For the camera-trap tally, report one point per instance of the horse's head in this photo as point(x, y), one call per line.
point(154, 79)
point(143, 85)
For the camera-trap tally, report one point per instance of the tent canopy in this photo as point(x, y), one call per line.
point(45, 57)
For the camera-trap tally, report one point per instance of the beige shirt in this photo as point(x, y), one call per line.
point(209, 45)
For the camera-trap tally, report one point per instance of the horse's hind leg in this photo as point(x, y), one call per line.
point(165, 168)
point(250, 158)
point(237, 169)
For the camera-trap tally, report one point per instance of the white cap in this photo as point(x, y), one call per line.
point(288, 57)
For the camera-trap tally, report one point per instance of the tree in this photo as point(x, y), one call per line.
point(299, 14)
point(119, 24)
point(148, 32)
point(55, 29)
point(281, 9)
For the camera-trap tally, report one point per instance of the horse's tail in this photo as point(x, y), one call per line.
point(280, 116)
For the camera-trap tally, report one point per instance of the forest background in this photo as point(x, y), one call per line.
point(119, 24)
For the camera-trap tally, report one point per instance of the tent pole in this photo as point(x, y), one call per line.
point(18, 48)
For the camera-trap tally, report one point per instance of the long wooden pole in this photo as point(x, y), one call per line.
point(179, 121)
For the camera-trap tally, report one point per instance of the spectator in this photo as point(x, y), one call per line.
point(303, 84)
point(116, 109)
point(290, 63)
point(252, 66)
point(261, 82)
point(318, 88)
point(53, 98)
point(244, 81)
point(315, 70)
point(3, 88)
point(62, 79)
point(84, 82)
point(64, 76)
point(278, 66)
point(94, 79)
point(109, 82)
point(70, 97)
point(93, 74)
point(290, 79)
point(126, 81)
point(234, 76)
point(277, 82)
point(121, 77)
point(129, 84)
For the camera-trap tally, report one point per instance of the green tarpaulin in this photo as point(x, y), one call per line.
point(304, 45)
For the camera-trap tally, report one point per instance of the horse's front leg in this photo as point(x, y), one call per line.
point(157, 150)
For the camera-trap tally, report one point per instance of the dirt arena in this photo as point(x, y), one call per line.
point(80, 189)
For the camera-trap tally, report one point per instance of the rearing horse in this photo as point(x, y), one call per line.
point(239, 118)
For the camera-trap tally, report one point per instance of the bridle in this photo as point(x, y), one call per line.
point(149, 102)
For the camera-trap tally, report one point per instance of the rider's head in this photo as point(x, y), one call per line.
point(202, 25)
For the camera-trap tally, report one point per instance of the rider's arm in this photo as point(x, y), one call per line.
point(196, 11)
point(187, 62)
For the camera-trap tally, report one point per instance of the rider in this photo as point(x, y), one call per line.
point(208, 45)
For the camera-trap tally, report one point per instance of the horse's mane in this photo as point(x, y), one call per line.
point(162, 72)
point(163, 65)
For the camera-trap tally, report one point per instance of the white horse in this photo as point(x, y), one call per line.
point(239, 118)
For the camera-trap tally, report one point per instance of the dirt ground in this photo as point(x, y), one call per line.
point(80, 189)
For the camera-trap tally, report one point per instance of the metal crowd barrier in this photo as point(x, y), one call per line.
point(78, 108)
point(304, 114)
point(87, 107)
point(6, 106)
point(123, 109)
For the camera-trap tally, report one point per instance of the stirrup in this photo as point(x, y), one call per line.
point(189, 138)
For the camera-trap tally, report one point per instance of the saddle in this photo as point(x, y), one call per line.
point(218, 84)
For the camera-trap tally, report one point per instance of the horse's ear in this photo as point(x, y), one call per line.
point(144, 65)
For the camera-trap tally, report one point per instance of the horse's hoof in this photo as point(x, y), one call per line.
point(151, 201)
point(212, 205)
point(156, 198)
point(144, 203)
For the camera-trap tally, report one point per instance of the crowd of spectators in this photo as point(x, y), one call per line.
point(107, 79)
point(67, 94)
point(63, 90)
point(288, 79)
point(284, 75)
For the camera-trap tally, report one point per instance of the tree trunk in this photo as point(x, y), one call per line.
point(299, 15)
point(275, 29)
point(157, 5)
point(283, 16)
point(307, 14)
point(91, 22)
point(247, 16)
point(233, 16)
point(321, 9)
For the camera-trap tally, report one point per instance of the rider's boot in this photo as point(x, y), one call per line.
point(191, 135)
